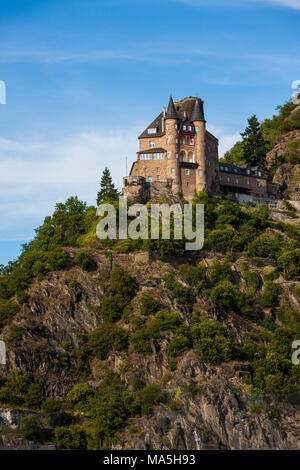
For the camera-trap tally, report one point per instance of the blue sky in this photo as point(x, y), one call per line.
point(84, 77)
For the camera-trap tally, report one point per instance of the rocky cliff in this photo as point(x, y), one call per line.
point(212, 407)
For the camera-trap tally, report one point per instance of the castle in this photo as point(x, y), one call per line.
point(178, 155)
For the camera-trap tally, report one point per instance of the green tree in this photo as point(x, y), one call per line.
point(30, 429)
point(107, 192)
point(254, 145)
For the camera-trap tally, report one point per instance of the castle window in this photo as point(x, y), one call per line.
point(176, 141)
point(187, 172)
point(190, 128)
point(168, 140)
point(145, 170)
point(168, 155)
point(184, 128)
point(221, 168)
point(150, 179)
point(175, 126)
point(176, 155)
point(152, 130)
point(151, 143)
point(228, 179)
point(172, 170)
point(220, 178)
point(197, 129)
point(248, 182)
point(236, 180)
point(200, 172)
point(167, 126)
point(157, 169)
point(158, 177)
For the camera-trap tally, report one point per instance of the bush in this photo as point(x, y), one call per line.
point(163, 321)
point(15, 332)
point(50, 406)
point(219, 240)
point(112, 307)
point(72, 438)
point(140, 341)
point(106, 338)
point(84, 261)
point(8, 309)
point(212, 341)
point(178, 345)
point(224, 294)
point(31, 430)
point(289, 263)
point(146, 399)
point(122, 283)
point(149, 305)
point(78, 397)
point(34, 396)
point(251, 278)
point(221, 271)
point(270, 294)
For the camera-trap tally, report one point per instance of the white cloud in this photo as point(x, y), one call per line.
point(34, 176)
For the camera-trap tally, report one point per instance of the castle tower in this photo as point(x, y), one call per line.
point(172, 146)
point(199, 122)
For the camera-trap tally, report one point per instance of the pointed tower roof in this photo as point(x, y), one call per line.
point(198, 113)
point(171, 111)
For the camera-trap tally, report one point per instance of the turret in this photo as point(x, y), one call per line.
point(172, 145)
point(199, 122)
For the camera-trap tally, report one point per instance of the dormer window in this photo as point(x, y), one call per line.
point(152, 130)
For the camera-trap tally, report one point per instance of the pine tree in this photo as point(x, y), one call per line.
point(107, 192)
point(254, 145)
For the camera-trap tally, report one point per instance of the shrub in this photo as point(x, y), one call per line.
point(78, 397)
point(149, 305)
point(178, 345)
point(112, 307)
point(84, 261)
point(140, 341)
point(31, 430)
point(251, 278)
point(219, 240)
point(146, 399)
point(212, 341)
point(72, 438)
point(15, 332)
point(289, 263)
point(270, 294)
point(105, 338)
point(221, 271)
point(163, 321)
point(34, 396)
point(224, 294)
point(122, 283)
point(50, 406)
point(8, 309)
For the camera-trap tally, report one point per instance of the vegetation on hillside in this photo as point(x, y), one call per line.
point(132, 323)
point(257, 140)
